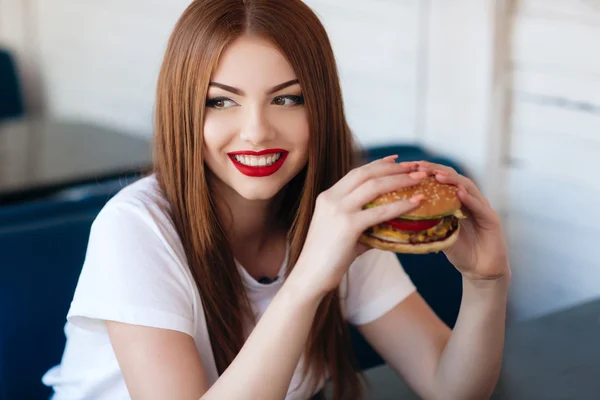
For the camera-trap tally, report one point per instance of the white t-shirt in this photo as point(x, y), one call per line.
point(136, 272)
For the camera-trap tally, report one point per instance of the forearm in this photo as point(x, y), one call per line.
point(265, 365)
point(470, 363)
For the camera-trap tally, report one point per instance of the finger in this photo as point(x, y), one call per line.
point(356, 177)
point(374, 188)
point(484, 215)
point(440, 170)
point(454, 178)
point(380, 214)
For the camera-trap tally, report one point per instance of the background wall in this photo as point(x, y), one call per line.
point(554, 159)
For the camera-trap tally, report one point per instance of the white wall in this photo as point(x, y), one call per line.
point(553, 183)
point(100, 59)
point(459, 83)
point(377, 45)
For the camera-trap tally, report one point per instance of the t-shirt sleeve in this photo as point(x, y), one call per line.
point(132, 275)
point(376, 284)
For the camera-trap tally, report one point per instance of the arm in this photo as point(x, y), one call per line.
point(171, 362)
point(440, 364)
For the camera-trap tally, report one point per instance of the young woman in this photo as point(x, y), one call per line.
point(232, 271)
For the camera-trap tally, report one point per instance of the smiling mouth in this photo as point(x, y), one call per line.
point(258, 164)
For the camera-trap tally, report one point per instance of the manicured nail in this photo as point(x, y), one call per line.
point(390, 158)
point(418, 175)
point(416, 199)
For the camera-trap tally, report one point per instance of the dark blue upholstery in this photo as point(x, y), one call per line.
point(11, 102)
point(42, 248)
point(436, 279)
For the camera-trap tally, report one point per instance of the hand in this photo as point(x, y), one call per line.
point(480, 253)
point(339, 219)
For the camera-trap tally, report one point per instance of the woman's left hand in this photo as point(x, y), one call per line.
point(480, 253)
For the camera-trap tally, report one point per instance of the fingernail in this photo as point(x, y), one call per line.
point(392, 157)
point(439, 172)
point(416, 199)
point(417, 175)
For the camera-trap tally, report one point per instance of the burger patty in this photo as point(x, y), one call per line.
point(441, 231)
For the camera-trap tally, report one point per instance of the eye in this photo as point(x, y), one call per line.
point(220, 103)
point(288, 101)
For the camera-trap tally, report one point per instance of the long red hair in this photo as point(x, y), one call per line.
point(198, 40)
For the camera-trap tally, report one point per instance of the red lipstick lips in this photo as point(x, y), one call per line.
point(258, 163)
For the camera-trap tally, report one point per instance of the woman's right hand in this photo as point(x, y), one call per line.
point(339, 219)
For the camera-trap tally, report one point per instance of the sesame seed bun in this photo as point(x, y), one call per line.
point(440, 199)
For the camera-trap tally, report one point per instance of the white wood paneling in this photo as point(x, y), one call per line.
point(539, 194)
point(554, 155)
point(561, 156)
point(554, 266)
point(584, 11)
point(556, 43)
point(556, 104)
point(100, 60)
point(459, 86)
point(376, 47)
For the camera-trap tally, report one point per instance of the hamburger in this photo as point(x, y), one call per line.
point(432, 227)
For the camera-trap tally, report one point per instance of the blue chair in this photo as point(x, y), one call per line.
point(436, 279)
point(11, 102)
point(42, 248)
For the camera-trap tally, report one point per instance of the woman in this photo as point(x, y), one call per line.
point(230, 273)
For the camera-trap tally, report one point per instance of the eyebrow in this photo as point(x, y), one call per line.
point(240, 92)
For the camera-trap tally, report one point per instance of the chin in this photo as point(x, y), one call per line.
point(256, 192)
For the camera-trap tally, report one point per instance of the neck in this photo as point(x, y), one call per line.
point(249, 224)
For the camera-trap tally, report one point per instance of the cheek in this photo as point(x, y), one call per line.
point(218, 131)
point(294, 128)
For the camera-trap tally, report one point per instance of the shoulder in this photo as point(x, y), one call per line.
point(139, 210)
point(143, 198)
point(135, 269)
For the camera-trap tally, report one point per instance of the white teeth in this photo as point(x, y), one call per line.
point(257, 161)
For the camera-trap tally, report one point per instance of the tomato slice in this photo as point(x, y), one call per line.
point(410, 225)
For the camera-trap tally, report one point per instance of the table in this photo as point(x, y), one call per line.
point(39, 157)
point(548, 358)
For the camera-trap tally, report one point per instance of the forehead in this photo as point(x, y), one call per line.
point(252, 63)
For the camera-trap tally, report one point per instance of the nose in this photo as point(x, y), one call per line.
point(256, 128)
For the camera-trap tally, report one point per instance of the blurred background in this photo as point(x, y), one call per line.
point(509, 90)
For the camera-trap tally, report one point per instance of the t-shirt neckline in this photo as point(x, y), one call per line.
point(252, 283)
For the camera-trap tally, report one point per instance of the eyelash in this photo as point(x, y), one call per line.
point(297, 99)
